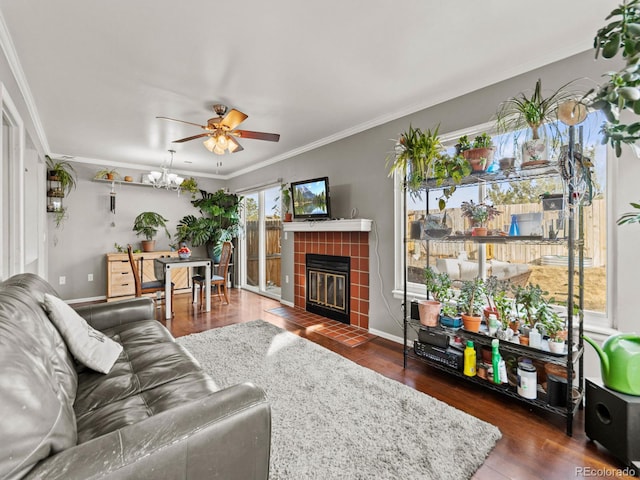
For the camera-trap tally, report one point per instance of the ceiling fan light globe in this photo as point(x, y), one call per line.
point(217, 150)
point(221, 141)
point(210, 143)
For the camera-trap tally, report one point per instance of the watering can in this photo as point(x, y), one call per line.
point(620, 362)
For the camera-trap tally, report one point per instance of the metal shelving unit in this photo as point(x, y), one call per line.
point(572, 360)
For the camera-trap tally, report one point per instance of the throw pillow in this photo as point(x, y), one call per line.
point(89, 346)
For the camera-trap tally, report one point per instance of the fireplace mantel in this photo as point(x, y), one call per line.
point(347, 225)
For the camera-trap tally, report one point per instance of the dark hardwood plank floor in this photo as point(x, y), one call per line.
point(533, 446)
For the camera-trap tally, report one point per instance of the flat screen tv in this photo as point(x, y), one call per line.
point(311, 199)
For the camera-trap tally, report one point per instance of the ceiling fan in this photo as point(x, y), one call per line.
point(221, 131)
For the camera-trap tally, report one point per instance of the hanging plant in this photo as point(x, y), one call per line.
point(622, 90)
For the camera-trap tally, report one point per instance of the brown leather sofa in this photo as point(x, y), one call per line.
point(156, 414)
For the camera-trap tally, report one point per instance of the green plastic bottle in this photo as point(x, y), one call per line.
point(470, 359)
point(495, 359)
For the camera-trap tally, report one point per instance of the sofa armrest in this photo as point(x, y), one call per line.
point(224, 435)
point(110, 314)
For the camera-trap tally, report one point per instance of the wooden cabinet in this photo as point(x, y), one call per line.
point(120, 282)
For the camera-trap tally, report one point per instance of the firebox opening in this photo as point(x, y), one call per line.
point(328, 286)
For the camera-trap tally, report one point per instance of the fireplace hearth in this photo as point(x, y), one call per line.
point(328, 286)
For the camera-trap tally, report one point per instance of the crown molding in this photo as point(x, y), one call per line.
point(8, 48)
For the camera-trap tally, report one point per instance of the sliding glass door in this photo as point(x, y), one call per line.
point(261, 259)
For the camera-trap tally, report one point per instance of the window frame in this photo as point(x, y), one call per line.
point(601, 322)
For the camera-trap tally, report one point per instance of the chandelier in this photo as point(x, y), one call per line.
point(166, 179)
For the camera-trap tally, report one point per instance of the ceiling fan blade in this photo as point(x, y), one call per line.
point(183, 121)
point(271, 137)
point(234, 143)
point(192, 138)
point(232, 119)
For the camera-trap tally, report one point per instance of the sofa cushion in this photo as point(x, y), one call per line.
point(89, 346)
point(153, 374)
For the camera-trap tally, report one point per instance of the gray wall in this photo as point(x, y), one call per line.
point(79, 247)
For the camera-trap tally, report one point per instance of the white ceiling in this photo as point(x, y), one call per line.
point(99, 73)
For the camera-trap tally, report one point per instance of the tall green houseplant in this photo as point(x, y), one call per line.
point(219, 221)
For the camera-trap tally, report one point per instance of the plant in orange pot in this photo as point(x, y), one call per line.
point(479, 214)
point(478, 153)
point(471, 301)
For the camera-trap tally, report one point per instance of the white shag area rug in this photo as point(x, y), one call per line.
point(333, 419)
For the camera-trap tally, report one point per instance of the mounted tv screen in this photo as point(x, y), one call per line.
point(311, 199)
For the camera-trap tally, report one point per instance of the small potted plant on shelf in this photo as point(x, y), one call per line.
point(107, 174)
point(554, 326)
point(415, 155)
point(286, 202)
point(479, 214)
point(478, 153)
point(453, 168)
point(146, 225)
point(436, 226)
point(471, 302)
point(439, 287)
point(528, 300)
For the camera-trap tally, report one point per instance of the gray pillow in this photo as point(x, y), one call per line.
point(89, 346)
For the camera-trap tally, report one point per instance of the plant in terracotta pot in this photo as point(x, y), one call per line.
point(528, 300)
point(471, 302)
point(286, 202)
point(478, 153)
point(479, 214)
point(146, 225)
point(439, 286)
point(107, 174)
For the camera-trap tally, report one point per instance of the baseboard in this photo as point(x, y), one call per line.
point(386, 335)
point(88, 299)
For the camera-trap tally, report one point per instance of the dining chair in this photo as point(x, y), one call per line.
point(153, 286)
point(219, 281)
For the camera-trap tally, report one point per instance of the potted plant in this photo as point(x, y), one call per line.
point(190, 185)
point(219, 222)
point(438, 286)
point(63, 172)
point(620, 92)
point(529, 113)
point(286, 201)
point(415, 155)
point(471, 302)
point(528, 300)
point(107, 174)
point(479, 214)
point(478, 153)
point(554, 327)
point(146, 225)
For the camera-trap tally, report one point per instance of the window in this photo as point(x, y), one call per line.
point(544, 264)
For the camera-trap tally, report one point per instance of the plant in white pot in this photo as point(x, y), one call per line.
point(554, 327)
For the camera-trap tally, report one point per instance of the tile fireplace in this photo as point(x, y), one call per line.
point(340, 238)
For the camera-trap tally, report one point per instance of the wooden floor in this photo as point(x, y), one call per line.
point(533, 445)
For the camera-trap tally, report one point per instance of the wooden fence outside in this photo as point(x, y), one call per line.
point(595, 237)
point(273, 231)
